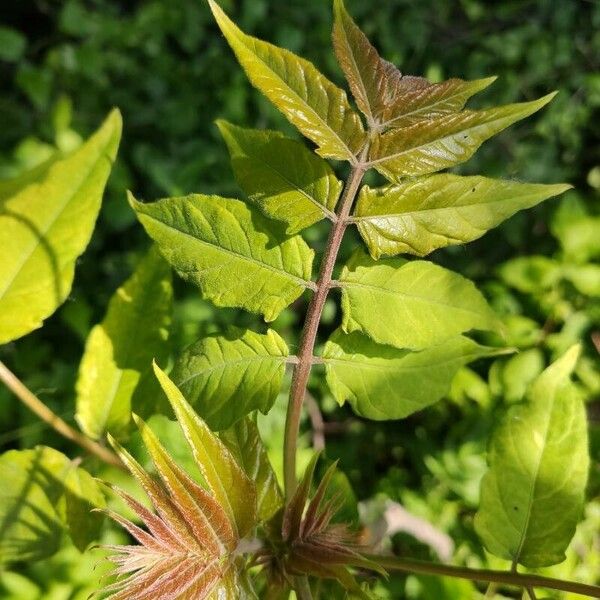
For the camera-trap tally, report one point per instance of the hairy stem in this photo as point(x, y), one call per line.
point(510, 578)
point(311, 325)
point(302, 588)
point(18, 388)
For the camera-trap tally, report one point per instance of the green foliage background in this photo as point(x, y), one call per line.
point(63, 65)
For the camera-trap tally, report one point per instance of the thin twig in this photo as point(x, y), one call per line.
point(18, 388)
point(531, 593)
point(510, 578)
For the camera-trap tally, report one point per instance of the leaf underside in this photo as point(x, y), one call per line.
point(412, 304)
point(227, 377)
point(235, 255)
point(533, 493)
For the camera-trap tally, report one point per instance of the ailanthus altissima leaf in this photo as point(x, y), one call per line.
point(445, 141)
point(43, 493)
point(412, 304)
point(283, 177)
point(235, 255)
point(317, 107)
point(533, 494)
point(386, 97)
point(121, 348)
point(45, 225)
point(421, 215)
point(225, 377)
point(382, 382)
point(225, 478)
point(243, 441)
point(186, 552)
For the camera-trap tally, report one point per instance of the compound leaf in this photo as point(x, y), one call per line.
point(412, 305)
point(45, 225)
point(243, 440)
point(383, 94)
point(382, 382)
point(443, 142)
point(317, 107)
point(120, 350)
point(234, 254)
point(285, 179)
point(419, 216)
point(225, 478)
point(533, 493)
point(42, 495)
point(225, 377)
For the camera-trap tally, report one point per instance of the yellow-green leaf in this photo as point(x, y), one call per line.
point(285, 179)
point(43, 493)
point(225, 478)
point(234, 254)
point(45, 225)
point(533, 494)
point(243, 440)
point(443, 142)
point(412, 305)
point(317, 107)
point(421, 215)
point(225, 377)
point(382, 382)
point(120, 350)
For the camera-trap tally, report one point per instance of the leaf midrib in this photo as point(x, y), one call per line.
point(396, 155)
point(350, 284)
point(240, 36)
point(282, 273)
point(360, 218)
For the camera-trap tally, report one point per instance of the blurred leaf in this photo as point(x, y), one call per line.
point(45, 226)
point(538, 469)
point(44, 494)
point(121, 348)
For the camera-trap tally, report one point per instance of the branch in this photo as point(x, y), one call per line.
point(394, 563)
point(311, 325)
point(18, 388)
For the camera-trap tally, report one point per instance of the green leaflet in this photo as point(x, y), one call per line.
point(382, 382)
point(412, 304)
point(225, 377)
point(421, 215)
point(225, 478)
point(234, 254)
point(531, 274)
point(120, 350)
point(383, 94)
point(243, 441)
point(45, 225)
point(317, 107)
point(285, 179)
point(533, 494)
point(42, 494)
point(443, 142)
